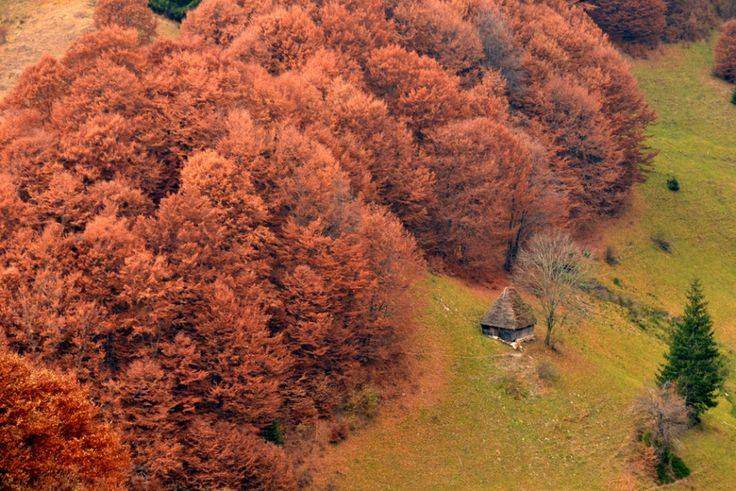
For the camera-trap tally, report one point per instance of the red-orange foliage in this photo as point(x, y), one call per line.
point(280, 40)
point(725, 56)
point(437, 29)
point(220, 21)
point(689, 20)
point(38, 86)
point(51, 435)
point(631, 23)
point(498, 192)
point(637, 24)
point(130, 14)
point(220, 232)
point(594, 123)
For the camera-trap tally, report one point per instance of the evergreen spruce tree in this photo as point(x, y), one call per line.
point(173, 9)
point(693, 362)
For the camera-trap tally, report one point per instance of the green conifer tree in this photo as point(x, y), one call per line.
point(173, 9)
point(693, 362)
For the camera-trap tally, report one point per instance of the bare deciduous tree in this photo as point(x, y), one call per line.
point(661, 414)
point(554, 270)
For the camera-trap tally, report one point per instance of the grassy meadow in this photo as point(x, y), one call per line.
point(498, 420)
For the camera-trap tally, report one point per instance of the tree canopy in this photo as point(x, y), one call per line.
point(220, 232)
point(725, 55)
point(51, 435)
point(637, 25)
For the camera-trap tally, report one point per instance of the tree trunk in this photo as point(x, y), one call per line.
point(550, 325)
point(513, 245)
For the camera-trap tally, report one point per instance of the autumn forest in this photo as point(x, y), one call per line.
point(210, 242)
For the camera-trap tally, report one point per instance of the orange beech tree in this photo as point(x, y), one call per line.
point(51, 435)
point(636, 25)
point(497, 192)
point(218, 234)
point(725, 55)
point(689, 20)
point(632, 24)
point(133, 14)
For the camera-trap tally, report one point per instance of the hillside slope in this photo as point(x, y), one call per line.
point(46, 27)
point(35, 28)
point(489, 429)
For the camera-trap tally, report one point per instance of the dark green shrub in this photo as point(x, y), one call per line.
point(661, 242)
point(679, 468)
point(617, 282)
point(673, 184)
point(173, 9)
point(273, 433)
point(610, 256)
point(733, 97)
point(671, 468)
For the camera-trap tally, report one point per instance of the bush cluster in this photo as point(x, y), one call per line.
point(661, 417)
point(547, 372)
point(662, 242)
point(671, 468)
point(129, 14)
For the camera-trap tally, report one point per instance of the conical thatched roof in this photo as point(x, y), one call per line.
point(509, 311)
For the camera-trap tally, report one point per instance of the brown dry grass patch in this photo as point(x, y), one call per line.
point(36, 27)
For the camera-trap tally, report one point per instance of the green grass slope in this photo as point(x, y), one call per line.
point(696, 139)
point(489, 429)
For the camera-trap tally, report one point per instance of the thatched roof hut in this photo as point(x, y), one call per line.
point(509, 319)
